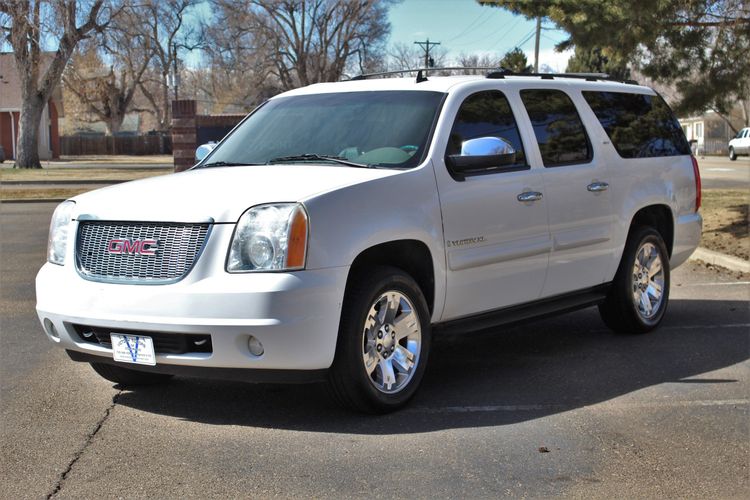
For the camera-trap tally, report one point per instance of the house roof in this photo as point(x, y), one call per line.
point(10, 83)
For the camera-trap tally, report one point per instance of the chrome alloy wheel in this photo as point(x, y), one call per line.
point(391, 342)
point(648, 281)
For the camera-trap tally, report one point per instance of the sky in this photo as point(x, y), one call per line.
point(465, 26)
point(461, 26)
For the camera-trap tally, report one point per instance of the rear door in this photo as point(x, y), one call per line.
point(497, 245)
point(576, 190)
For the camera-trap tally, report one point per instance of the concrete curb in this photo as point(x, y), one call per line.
point(721, 259)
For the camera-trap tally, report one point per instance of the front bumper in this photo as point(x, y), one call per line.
point(294, 315)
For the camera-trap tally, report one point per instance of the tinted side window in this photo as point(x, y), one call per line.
point(559, 131)
point(639, 126)
point(486, 114)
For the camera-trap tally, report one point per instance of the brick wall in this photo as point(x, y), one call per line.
point(189, 130)
point(183, 134)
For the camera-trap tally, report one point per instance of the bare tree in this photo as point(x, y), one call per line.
point(240, 70)
point(164, 23)
point(25, 24)
point(309, 41)
point(475, 61)
point(405, 56)
point(107, 94)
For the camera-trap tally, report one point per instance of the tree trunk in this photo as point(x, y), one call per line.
point(27, 150)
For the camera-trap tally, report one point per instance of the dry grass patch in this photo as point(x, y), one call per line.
point(726, 224)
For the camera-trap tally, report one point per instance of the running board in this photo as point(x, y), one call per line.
point(539, 309)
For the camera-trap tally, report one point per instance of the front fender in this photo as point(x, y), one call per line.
point(347, 221)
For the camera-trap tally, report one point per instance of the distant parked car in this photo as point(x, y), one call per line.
point(740, 145)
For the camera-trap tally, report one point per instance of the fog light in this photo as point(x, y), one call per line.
point(256, 348)
point(51, 330)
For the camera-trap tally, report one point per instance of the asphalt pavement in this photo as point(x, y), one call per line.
point(718, 172)
point(552, 408)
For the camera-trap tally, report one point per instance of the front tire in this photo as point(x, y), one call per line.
point(383, 344)
point(640, 291)
point(732, 154)
point(127, 377)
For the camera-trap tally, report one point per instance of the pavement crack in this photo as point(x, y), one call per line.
point(89, 438)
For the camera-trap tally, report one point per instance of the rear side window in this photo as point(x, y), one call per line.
point(558, 128)
point(639, 126)
point(485, 114)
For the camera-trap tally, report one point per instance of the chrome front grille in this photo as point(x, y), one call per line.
point(178, 247)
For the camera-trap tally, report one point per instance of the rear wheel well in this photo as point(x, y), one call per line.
point(411, 256)
point(660, 218)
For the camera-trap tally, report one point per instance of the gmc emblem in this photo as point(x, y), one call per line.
point(132, 247)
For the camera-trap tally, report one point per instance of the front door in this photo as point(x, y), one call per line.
point(494, 219)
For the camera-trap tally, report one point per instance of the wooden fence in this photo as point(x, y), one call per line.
point(76, 145)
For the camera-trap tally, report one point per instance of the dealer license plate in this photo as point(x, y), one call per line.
point(133, 349)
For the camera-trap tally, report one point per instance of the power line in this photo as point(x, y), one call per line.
point(525, 39)
point(472, 26)
point(506, 33)
point(467, 28)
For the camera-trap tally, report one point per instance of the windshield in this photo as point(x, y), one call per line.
point(386, 129)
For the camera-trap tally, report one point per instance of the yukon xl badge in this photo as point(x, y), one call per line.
point(132, 247)
point(465, 241)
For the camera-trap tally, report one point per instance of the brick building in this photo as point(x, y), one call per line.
point(10, 112)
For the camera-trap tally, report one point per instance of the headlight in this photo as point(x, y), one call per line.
point(269, 238)
point(58, 232)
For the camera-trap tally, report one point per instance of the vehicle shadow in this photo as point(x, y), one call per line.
point(522, 373)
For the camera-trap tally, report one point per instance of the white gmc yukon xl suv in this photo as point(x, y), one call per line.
point(340, 225)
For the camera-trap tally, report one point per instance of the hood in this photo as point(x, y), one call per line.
point(219, 193)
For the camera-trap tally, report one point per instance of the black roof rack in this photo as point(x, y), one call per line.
point(589, 77)
point(424, 71)
point(495, 73)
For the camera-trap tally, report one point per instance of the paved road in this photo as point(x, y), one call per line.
point(719, 172)
point(662, 415)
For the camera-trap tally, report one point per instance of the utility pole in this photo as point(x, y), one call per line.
point(536, 44)
point(426, 47)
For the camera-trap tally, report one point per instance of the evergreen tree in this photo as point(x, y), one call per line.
point(699, 46)
point(593, 61)
point(515, 60)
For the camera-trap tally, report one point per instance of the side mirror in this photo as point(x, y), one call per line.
point(203, 151)
point(482, 152)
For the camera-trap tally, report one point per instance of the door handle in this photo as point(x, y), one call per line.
point(597, 187)
point(529, 196)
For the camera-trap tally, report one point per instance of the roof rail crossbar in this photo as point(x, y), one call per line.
point(591, 77)
point(425, 71)
point(495, 73)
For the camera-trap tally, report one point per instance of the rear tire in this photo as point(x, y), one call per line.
point(639, 295)
point(127, 377)
point(383, 343)
point(732, 154)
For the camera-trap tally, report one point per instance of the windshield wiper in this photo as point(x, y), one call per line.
point(227, 164)
point(313, 157)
